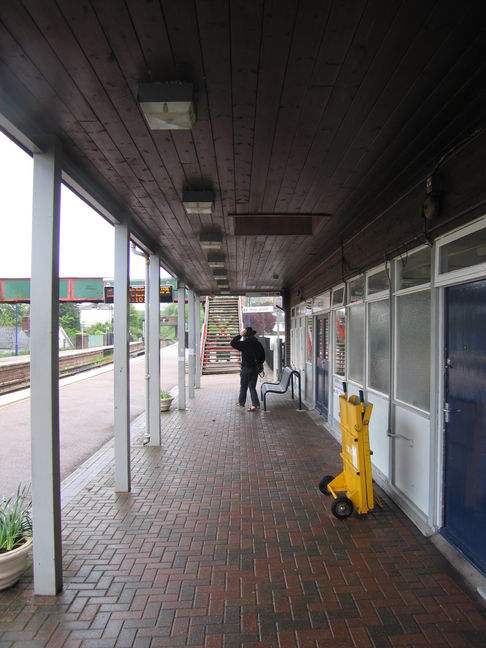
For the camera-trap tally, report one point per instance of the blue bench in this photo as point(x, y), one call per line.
point(288, 375)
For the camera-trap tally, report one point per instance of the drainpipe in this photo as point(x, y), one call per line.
point(146, 437)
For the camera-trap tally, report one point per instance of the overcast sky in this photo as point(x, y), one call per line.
point(86, 248)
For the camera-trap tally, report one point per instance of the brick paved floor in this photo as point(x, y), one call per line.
point(226, 541)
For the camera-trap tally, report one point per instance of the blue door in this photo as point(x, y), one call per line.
point(322, 365)
point(465, 421)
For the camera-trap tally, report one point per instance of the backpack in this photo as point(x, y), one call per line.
point(260, 358)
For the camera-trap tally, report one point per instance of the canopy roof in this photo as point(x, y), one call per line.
point(311, 116)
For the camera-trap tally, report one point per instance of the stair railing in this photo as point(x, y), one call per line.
point(240, 313)
point(204, 333)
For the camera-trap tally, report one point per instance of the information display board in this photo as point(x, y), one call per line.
point(136, 294)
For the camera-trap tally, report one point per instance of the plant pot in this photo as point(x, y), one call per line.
point(13, 563)
point(165, 404)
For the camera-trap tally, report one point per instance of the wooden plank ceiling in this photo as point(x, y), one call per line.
point(303, 107)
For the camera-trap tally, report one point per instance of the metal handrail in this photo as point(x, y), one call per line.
point(204, 333)
point(240, 312)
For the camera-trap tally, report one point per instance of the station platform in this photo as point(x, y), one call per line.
point(225, 541)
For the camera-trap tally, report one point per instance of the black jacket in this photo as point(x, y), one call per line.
point(251, 350)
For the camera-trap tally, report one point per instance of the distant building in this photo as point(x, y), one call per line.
point(95, 313)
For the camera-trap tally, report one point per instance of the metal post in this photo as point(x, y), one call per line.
point(197, 334)
point(146, 349)
point(191, 338)
point(121, 360)
point(44, 371)
point(154, 350)
point(16, 329)
point(181, 330)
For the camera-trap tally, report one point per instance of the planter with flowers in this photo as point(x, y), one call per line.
point(166, 399)
point(15, 536)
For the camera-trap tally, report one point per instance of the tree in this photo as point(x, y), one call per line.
point(136, 322)
point(69, 318)
point(7, 314)
point(97, 329)
point(263, 323)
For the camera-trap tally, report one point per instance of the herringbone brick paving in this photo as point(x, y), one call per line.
point(226, 541)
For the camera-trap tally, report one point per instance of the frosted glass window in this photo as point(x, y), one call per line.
point(338, 296)
point(309, 339)
point(322, 302)
point(356, 342)
point(378, 282)
point(379, 346)
point(356, 289)
point(340, 341)
point(413, 349)
point(413, 269)
point(463, 253)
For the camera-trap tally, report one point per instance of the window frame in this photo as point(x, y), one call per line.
point(465, 274)
point(422, 286)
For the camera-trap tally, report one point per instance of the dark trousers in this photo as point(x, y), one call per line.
point(248, 380)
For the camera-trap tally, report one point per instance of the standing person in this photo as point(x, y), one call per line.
point(252, 355)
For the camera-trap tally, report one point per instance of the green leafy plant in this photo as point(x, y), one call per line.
point(165, 394)
point(15, 519)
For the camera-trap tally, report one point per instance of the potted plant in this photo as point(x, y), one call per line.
point(166, 399)
point(15, 536)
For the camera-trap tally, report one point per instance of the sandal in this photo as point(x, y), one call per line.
point(254, 408)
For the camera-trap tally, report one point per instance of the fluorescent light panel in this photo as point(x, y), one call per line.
point(216, 261)
point(211, 240)
point(167, 106)
point(198, 202)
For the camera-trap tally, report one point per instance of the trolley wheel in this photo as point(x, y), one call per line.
point(327, 479)
point(342, 507)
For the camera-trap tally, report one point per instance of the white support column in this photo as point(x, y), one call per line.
point(191, 337)
point(181, 334)
point(154, 349)
point(146, 348)
point(44, 371)
point(121, 360)
point(197, 333)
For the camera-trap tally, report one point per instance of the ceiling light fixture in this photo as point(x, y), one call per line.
point(216, 261)
point(198, 202)
point(220, 273)
point(167, 106)
point(211, 240)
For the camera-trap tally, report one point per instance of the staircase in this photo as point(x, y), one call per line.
point(223, 323)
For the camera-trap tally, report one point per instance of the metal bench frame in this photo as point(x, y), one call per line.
point(281, 387)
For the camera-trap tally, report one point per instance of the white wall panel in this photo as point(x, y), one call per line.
point(412, 456)
point(379, 441)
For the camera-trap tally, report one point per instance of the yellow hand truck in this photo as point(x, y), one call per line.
point(353, 488)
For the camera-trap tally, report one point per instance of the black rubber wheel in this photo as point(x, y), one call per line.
point(342, 507)
point(323, 484)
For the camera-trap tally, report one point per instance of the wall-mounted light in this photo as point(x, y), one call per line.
point(167, 106)
point(198, 202)
point(216, 260)
point(211, 240)
point(431, 204)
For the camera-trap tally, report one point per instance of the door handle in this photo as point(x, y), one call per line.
point(448, 411)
